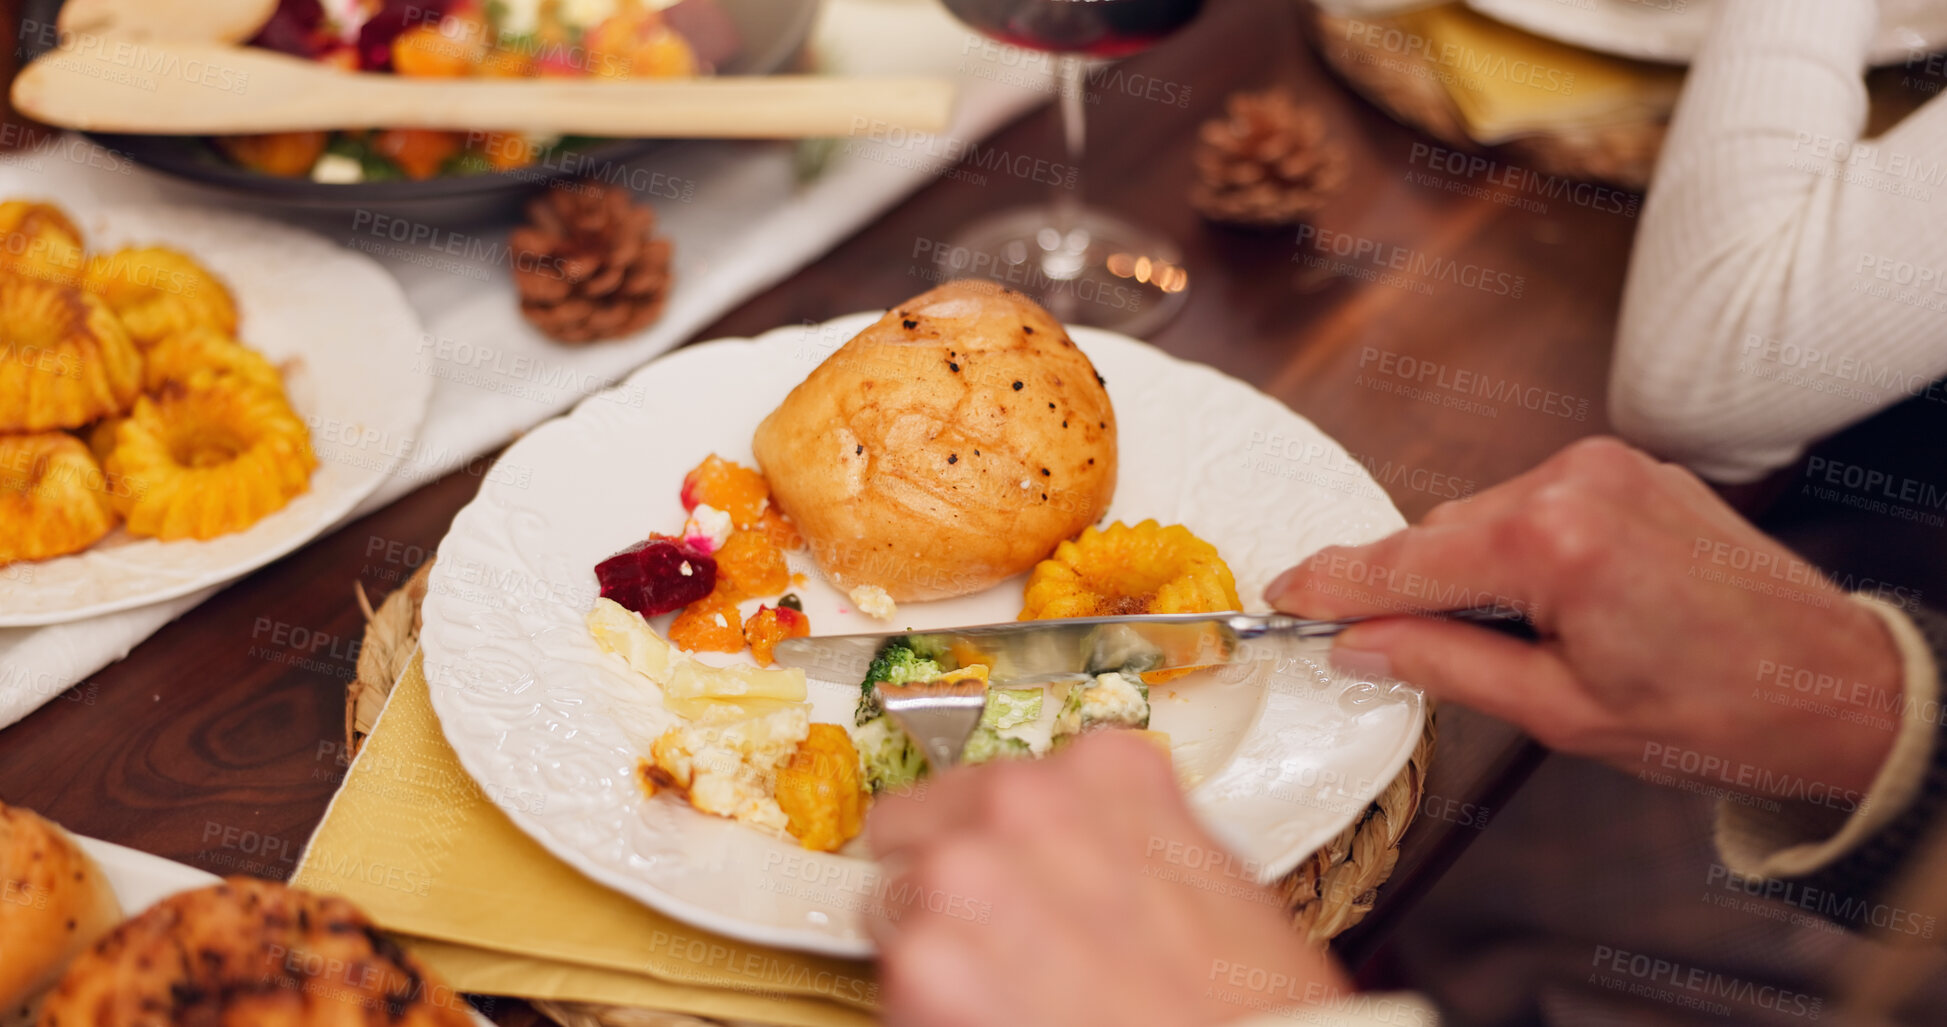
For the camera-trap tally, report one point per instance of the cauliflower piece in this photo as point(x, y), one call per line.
point(337, 169)
point(1112, 700)
point(874, 601)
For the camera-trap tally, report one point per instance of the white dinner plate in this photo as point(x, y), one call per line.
point(141, 880)
point(1279, 757)
point(1672, 31)
point(341, 330)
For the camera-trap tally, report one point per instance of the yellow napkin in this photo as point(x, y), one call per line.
point(414, 842)
point(1508, 83)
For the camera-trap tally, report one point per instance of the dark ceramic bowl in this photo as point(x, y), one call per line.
point(771, 33)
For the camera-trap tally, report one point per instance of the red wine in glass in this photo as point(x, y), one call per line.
point(1095, 28)
point(1085, 265)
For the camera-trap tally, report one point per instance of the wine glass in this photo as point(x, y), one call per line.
point(1086, 266)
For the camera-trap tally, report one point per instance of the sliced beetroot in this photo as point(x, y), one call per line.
point(392, 18)
point(296, 27)
point(657, 575)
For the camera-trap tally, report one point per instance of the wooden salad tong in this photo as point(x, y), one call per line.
point(171, 67)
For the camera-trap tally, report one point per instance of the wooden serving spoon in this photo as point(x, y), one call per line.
point(184, 88)
point(227, 21)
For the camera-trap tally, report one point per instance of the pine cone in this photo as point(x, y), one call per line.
point(587, 264)
point(1265, 163)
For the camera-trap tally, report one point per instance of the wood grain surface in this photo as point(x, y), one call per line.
point(218, 741)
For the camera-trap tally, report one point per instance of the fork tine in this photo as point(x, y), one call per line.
point(939, 715)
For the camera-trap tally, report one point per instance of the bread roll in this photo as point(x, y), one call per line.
point(54, 902)
point(944, 449)
point(250, 952)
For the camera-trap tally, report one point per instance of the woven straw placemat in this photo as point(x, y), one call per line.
point(1324, 896)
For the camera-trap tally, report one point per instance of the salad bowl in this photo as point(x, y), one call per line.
point(770, 34)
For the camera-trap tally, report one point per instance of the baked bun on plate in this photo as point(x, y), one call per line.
point(946, 448)
point(250, 952)
point(54, 902)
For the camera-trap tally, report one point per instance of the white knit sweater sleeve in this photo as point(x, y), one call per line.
point(1788, 280)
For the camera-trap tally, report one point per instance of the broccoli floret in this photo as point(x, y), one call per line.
point(887, 756)
point(896, 664)
point(930, 647)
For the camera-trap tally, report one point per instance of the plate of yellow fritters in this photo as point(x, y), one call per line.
point(185, 395)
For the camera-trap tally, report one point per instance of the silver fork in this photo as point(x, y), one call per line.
point(939, 715)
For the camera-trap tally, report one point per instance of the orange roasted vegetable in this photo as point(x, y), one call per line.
point(423, 51)
point(779, 529)
point(343, 58)
point(750, 563)
point(771, 625)
point(419, 152)
point(634, 43)
point(710, 625)
point(750, 566)
point(729, 486)
point(663, 55)
point(284, 154)
point(501, 62)
point(1122, 570)
point(1126, 570)
point(503, 151)
point(820, 792)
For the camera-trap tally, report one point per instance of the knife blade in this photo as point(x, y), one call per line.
point(1026, 653)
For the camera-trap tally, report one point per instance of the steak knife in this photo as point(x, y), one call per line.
point(1039, 652)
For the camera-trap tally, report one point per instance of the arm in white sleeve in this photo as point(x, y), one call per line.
point(1788, 280)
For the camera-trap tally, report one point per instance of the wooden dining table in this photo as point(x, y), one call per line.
point(212, 725)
